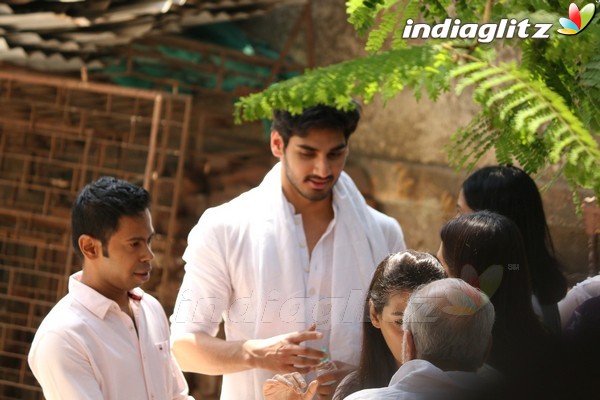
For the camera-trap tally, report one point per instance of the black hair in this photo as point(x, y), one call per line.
point(320, 117)
point(485, 240)
point(406, 270)
point(510, 191)
point(100, 205)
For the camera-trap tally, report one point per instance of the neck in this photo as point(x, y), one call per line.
point(117, 295)
point(321, 208)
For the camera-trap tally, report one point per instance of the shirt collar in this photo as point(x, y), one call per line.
point(417, 371)
point(94, 301)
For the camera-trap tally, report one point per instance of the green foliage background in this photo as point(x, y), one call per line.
point(539, 110)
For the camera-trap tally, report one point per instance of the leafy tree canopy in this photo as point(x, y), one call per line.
point(540, 109)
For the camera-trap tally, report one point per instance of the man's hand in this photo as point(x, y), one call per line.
point(329, 381)
point(288, 387)
point(284, 353)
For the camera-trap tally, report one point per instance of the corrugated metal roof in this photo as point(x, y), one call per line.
point(65, 35)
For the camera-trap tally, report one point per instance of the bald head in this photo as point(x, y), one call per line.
point(450, 323)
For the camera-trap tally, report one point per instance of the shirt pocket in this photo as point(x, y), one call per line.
point(163, 350)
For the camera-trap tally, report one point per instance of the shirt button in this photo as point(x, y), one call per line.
point(302, 244)
point(311, 292)
point(307, 268)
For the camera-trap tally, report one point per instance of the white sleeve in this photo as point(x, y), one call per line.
point(576, 296)
point(63, 369)
point(180, 386)
point(392, 231)
point(206, 288)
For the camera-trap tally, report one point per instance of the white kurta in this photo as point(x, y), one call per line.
point(247, 263)
point(87, 348)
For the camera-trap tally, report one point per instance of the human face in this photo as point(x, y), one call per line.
point(390, 322)
point(461, 204)
point(311, 165)
point(126, 263)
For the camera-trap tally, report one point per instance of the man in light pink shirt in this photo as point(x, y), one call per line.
point(107, 339)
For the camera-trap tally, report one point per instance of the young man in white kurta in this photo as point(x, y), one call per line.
point(298, 249)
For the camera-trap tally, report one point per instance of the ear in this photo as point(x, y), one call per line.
point(409, 351)
point(277, 144)
point(90, 247)
point(373, 314)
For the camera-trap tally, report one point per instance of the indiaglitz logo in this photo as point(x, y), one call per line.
point(505, 28)
point(578, 19)
point(484, 33)
point(489, 281)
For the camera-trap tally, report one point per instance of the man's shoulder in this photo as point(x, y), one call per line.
point(246, 207)
point(382, 218)
point(389, 226)
point(384, 393)
point(64, 317)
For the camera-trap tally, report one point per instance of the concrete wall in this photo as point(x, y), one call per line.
point(400, 145)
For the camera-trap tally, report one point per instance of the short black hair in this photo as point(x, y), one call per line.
point(320, 116)
point(99, 206)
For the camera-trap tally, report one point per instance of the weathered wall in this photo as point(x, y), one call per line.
point(400, 145)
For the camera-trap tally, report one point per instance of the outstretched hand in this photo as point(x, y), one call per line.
point(284, 353)
point(288, 387)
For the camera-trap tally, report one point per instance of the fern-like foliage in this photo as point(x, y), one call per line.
point(527, 122)
point(362, 13)
point(391, 17)
point(386, 73)
point(590, 78)
point(543, 110)
point(381, 19)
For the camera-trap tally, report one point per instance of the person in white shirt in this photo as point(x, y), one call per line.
point(297, 251)
point(447, 335)
point(578, 295)
point(107, 339)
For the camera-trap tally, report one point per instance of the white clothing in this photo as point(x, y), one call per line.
point(247, 263)
point(87, 348)
point(420, 380)
point(576, 296)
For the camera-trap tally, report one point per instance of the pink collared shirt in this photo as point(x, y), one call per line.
point(87, 348)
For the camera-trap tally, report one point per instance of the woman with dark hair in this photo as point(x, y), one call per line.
point(395, 278)
point(509, 191)
point(486, 250)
